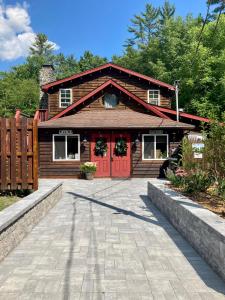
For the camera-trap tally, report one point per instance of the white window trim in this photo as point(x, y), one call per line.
point(71, 97)
point(154, 135)
point(53, 147)
point(148, 98)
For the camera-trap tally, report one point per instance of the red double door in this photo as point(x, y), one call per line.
point(114, 161)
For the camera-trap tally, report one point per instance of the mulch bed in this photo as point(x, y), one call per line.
point(211, 202)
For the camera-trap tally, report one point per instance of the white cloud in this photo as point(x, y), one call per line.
point(16, 33)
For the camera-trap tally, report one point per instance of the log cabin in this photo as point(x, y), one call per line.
point(118, 118)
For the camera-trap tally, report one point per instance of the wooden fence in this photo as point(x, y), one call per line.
point(18, 154)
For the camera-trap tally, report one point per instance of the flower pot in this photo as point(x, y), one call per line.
point(89, 175)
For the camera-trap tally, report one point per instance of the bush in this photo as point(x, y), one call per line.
point(88, 167)
point(221, 188)
point(197, 182)
point(176, 181)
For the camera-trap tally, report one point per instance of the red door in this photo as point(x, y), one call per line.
point(101, 154)
point(120, 155)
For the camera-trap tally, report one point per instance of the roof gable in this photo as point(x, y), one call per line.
point(147, 106)
point(105, 66)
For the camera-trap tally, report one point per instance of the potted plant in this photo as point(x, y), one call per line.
point(88, 168)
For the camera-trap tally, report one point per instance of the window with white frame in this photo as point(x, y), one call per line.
point(154, 97)
point(154, 146)
point(66, 147)
point(65, 97)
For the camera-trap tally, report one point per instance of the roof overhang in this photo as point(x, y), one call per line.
point(114, 119)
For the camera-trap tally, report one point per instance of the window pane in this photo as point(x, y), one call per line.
point(161, 147)
point(110, 100)
point(60, 147)
point(72, 147)
point(148, 147)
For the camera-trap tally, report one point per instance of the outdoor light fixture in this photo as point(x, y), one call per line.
point(84, 139)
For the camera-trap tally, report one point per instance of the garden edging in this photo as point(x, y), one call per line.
point(19, 219)
point(204, 230)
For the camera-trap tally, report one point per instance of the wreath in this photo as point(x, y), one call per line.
point(101, 147)
point(121, 147)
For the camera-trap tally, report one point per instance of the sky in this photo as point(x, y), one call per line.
point(73, 26)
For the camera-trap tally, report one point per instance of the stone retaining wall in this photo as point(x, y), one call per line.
point(19, 219)
point(204, 230)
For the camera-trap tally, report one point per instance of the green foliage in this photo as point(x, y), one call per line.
point(199, 181)
point(187, 158)
point(167, 51)
point(214, 151)
point(176, 181)
point(89, 61)
point(41, 46)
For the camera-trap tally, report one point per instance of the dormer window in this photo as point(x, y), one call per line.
point(154, 97)
point(110, 100)
point(65, 97)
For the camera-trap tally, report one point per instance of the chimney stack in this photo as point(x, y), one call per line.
point(46, 75)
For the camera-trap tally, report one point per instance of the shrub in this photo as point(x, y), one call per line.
point(88, 167)
point(221, 188)
point(176, 181)
point(199, 181)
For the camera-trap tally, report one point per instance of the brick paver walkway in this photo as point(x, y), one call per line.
point(104, 240)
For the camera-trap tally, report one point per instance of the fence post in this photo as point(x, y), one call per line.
point(35, 155)
point(3, 155)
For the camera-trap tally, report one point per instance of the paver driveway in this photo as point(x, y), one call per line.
point(104, 240)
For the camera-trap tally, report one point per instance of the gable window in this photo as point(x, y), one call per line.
point(154, 146)
point(110, 100)
point(66, 147)
point(65, 97)
point(154, 97)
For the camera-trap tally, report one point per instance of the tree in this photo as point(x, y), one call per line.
point(89, 61)
point(41, 46)
point(143, 26)
point(167, 11)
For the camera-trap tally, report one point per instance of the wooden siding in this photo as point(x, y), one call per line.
point(83, 86)
point(139, 168)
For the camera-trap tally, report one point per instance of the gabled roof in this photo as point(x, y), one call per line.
point(105, 66)
point(113, 119)
point(110, 82)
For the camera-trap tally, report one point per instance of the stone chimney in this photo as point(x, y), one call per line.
point(46, 75)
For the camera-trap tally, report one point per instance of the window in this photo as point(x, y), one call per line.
point(154, 146)
point(66, 147)
point(65, 97)
point(110, 100)
point(154, 97)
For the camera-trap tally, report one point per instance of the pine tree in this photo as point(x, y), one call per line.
point(167, 11)
point(41, 46)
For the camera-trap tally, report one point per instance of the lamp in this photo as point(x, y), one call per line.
point(84, 139)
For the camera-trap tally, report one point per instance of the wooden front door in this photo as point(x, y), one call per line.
point(101, 158)
point(114, 162)
point(120, 155)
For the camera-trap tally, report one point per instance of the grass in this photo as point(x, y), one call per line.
point(6, 201)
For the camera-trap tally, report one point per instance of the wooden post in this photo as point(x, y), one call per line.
point(3, 155)
point(35, 155)
point(13, 155)
point(24, 152)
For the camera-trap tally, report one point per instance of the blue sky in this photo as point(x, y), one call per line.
point(79, 25)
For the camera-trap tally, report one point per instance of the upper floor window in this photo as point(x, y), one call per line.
point(154, 97)
point(110, 100)
point(65, 97)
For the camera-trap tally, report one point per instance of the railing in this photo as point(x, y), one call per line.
point(18, 153)
point(41, 115)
